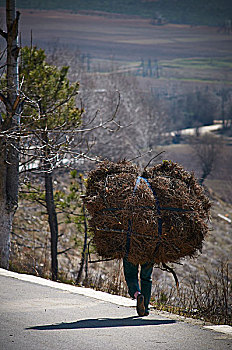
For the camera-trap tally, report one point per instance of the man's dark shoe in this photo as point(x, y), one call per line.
point(140, 305)
point(146, 313)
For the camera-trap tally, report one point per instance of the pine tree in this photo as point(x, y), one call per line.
point(50, 117)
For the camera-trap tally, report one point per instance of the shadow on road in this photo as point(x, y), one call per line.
point(103, 323)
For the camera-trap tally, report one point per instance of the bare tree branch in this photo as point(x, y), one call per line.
point(3, 34)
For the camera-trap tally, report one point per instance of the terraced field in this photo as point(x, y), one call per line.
point(188, 53)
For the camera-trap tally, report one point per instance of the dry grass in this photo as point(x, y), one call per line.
point(209, 299)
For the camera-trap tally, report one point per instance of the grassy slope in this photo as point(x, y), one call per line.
point(212, 12)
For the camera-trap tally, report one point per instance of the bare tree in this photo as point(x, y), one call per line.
point(226, 107)
point(142, 114)
point(207, 149)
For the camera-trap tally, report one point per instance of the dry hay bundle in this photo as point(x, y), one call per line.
point(158, 217)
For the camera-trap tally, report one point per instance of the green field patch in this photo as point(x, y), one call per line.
point(198, 80)
point(195, 70)
point(201, 63)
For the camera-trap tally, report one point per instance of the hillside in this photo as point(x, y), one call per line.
point(194, 12)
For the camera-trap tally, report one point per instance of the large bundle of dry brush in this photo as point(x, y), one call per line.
point(157, 216)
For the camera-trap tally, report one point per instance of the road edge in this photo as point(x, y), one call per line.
point(106, 297)
point(114, 299)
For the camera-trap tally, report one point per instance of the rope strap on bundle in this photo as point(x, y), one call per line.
point(139, 178)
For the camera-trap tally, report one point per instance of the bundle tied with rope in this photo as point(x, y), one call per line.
point(158, 216)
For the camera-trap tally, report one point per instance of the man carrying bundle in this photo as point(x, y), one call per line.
point(152, 216)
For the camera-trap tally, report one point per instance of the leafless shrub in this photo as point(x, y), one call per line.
point(207, 148)
point(209, 299)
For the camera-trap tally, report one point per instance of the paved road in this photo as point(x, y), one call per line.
point(42, 317)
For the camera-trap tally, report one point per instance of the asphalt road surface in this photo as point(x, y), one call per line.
point(36, 314)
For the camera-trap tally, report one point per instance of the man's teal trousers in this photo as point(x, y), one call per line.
point(131, 276)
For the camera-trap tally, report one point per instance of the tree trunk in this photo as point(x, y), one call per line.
point(84, 256)
point(5, 214)
point(5, 225)
point(53, 224)
point(223, 110)
point(9, 158)
point(8, 197)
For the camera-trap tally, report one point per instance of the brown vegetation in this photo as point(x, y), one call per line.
point(157, 218)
